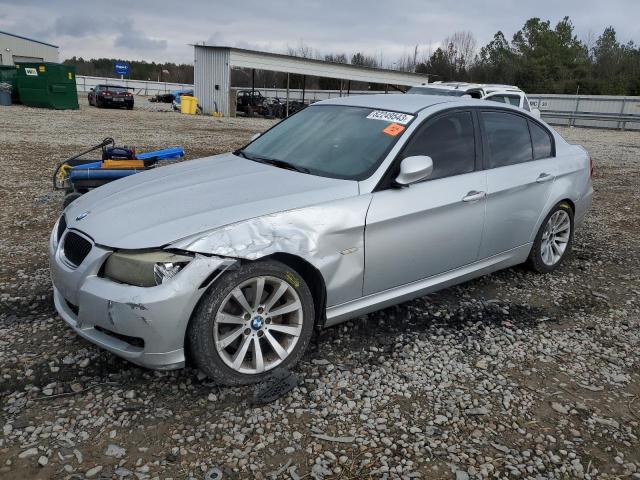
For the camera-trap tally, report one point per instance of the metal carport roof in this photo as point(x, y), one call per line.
point(213, 64)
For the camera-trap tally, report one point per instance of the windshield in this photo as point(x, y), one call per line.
point(435, 91)
point(331, 141)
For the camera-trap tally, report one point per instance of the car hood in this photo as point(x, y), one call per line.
point(163, 205)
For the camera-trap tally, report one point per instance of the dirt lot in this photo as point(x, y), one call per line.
point(514, 374)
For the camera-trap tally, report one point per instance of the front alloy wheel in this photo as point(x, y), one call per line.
point(258, 324)
point(252, 320)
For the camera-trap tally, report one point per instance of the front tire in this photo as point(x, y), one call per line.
point(69, 198)
point(251, 321)
point(554, 239)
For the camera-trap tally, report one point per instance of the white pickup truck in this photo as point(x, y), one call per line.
point(509, 94)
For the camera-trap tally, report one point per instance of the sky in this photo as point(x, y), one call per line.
point(162, 30)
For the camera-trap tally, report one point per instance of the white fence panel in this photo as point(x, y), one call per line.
point(139, 87)
point(603, 111)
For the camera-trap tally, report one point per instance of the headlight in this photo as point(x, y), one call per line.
point(144, 269)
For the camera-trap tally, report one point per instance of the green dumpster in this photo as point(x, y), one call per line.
point(8, 75)
point(47, 85)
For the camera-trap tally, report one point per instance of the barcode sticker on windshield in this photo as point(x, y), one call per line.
point(395, 117)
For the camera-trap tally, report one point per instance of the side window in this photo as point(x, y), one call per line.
point(512, 100)
point(508, 99)
point(525, 104)
point(508, 139)
point(497, 98)
point(450, 142)
point(542, 142)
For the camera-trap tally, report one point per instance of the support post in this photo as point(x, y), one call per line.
point(348, 88)
point(304, 84)
point(253, 82)
point(572, 122)
point(286, 111)
point(621, 126)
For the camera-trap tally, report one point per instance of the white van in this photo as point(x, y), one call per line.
point(508, 94)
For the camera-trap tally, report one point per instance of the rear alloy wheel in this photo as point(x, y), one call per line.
point(553, 240)
point(253, 320)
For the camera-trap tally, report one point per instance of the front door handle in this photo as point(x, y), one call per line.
point(473, 196)
point(544, 177)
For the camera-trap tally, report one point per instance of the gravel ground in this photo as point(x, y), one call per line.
point(511, 375)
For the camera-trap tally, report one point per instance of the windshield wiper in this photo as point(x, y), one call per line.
point(241, 153)
point(271, 161)
point(283, 164)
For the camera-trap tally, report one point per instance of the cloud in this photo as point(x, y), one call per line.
point(137, 40)
point(155, 30)
point(79, 26)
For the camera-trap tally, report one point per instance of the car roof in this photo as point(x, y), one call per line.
point(398, 102)
point(110, 85)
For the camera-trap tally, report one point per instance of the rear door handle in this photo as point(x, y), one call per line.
point(473, 196)
point(544, 177)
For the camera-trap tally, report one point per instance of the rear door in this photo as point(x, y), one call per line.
point(520, 163)
point(435, 225)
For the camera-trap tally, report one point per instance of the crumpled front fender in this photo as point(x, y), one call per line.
point(329, 236)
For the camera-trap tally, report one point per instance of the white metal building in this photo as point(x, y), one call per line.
point(212, 72)
point(15, 49)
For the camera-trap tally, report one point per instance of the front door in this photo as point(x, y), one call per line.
point(435, 225)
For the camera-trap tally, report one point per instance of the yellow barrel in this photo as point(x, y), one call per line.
point(188, 104)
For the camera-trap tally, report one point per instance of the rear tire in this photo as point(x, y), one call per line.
point(239, 345)
point(553, 241)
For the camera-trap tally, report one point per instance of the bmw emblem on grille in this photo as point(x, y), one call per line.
point(81, 216)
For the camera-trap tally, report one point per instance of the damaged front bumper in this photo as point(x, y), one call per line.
point(143, 325)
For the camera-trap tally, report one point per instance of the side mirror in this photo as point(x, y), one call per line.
point(413, 169)
point(535, 112)
point(254, 136)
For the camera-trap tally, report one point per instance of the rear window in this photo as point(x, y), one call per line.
point(508, 138)
point(117, 89)
point(435, 91)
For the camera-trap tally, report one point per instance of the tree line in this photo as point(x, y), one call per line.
point(138, 69)
point(539, 58)
point(542, 59)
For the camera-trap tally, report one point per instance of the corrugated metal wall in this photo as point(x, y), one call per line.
point(212, 79)
point(594, 104)
point(11, 46)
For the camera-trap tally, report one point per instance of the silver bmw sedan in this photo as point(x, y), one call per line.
point(348, 206)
